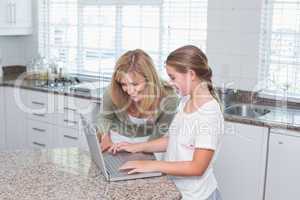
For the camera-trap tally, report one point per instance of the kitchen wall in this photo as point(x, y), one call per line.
point(232, 43)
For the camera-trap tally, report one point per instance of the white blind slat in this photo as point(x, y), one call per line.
point(280, 47)
point(89, 35)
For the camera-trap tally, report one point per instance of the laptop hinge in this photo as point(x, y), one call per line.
point(108, 175)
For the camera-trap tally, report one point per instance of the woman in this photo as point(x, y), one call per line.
point(137, 106)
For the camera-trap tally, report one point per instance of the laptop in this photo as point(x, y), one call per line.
point(108, 163)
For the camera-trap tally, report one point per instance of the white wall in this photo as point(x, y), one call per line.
point(233, 42)
point(12, 50)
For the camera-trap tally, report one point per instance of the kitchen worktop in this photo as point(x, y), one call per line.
point(95, 92)
point(70, 174)
point(275, 119)
point(278, 118)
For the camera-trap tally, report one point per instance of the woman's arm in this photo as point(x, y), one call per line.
point(157, 145)
point(105, 118)
point(196, 167)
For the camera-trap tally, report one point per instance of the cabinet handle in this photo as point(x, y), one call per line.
point(72, 109)
point(39, 144)
point(39, 129)
point(71, 137)
point(9, 13)
point(70, 121)
point(280, 142)
point(37, 103)
point(14, 13)
point(39, 115)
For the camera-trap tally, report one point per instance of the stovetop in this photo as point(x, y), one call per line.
point(60, 83)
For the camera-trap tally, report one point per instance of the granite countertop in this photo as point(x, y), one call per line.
point(95, 93)
point(70, 174)
point(278, 118)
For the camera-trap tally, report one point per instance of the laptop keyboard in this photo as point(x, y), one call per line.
point(114, 162)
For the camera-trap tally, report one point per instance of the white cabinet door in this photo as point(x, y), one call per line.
point(15, 17)
point(2, 122)
point(16, 137)
point(240, 166)
point(5, 13)
point(283, 175)
point(23, 12)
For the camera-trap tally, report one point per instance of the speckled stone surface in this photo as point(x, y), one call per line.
point(277, 118)
point(70, 174)
point(95, 94)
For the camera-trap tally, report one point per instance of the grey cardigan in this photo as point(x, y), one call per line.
point(110, 118)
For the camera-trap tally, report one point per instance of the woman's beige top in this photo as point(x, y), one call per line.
point(112, 119)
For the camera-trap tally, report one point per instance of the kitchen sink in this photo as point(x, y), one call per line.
point(247, 110)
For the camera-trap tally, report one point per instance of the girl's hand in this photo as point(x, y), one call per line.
point(105, 142)
point(125, 146)
point(139, 166)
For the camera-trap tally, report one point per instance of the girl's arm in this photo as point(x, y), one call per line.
point(157, 145)
point(196, 167)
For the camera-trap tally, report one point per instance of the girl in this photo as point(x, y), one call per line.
point(194, 135)
point(137, 106)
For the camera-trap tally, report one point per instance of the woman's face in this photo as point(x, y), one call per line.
point(133, 84)
point(181, 81)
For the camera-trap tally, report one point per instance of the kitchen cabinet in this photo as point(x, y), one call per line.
point(15, 17)
point(2, 123)
point(241, 163)
point(36, 120)
point(54, 121)
point(283, 173)
point(15, 115)
point(68, 120)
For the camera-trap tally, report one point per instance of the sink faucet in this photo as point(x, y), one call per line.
point(226, 94)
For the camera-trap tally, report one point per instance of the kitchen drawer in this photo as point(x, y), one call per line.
point(69, 137)
point(44, 117)
point(68, 119)
point(39, 134)
point(74, 104)
point(40, 106)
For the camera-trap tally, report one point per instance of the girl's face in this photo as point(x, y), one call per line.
point(133, 84)
point(181, 81)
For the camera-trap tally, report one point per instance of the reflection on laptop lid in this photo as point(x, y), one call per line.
point(108, 163)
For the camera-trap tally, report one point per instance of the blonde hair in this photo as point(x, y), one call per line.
point(191, 57)
point(137, 62)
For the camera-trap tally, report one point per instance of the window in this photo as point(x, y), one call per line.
point(87, 36)
point(280, 47)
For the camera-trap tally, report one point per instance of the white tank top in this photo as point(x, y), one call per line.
point(137, 120)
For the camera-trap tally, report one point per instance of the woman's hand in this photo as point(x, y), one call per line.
point(125, 146)
point(140, 166)
point(106, 142)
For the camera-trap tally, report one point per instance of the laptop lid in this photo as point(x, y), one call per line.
point(98, 157)
point(94, 145)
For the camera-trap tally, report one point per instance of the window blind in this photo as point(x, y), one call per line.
point(88, 36)
point(280, 47)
